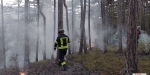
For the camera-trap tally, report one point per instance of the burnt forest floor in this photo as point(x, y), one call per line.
point(94, 62)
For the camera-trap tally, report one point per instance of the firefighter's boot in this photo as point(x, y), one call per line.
point(65, 67)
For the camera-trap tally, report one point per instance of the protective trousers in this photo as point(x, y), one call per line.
point(137, 40)
point(62, 61)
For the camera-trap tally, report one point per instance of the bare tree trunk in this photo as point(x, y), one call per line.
point(143, 15)
point(26, 57)
point(60, 14)
point(18, 20)
point(106, 24)
point(89, 26)
point(81, 29)
point(82, 26)
point(69, 49)
point(54, 23)
point(73, 34)
point(103, 11)
point(44, 20)
point(85, 48)
point(126, 14)
point(140, 12)
point(120, 18)
point(113, 12)
point(123, 19)
point(99, 26)
point(146, 17)
point(37, 44)
point(17, 66)
point(60, 20)
point(112, 21)
point(131, 57)
point(3, 34)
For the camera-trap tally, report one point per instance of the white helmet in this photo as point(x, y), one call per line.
point(138, 27)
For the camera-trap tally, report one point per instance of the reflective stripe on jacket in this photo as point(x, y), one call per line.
point(62, 41)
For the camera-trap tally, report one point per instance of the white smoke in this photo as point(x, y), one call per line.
point(145, 40)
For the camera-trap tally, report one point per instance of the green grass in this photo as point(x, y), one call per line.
point(110, 63)
point(144, 64)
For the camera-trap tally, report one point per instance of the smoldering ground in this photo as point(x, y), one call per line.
point(14, 33)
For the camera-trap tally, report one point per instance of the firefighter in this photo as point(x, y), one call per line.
point(138, 32)
point(62, 43)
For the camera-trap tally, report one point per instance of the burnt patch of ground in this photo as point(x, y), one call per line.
point(94, 62)
point(49, 67)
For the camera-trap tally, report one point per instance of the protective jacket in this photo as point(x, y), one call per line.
point(62, 42)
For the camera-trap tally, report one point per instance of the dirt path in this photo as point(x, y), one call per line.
point(53, 69)
point(49, 67)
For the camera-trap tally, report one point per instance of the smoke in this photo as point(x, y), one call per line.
point(144, 40)
point(14, 35)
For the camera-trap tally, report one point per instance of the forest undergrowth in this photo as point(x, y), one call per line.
point(94, 62)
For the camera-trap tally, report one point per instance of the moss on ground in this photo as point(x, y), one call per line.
point(110, 63)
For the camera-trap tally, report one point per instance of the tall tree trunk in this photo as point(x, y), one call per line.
point(131, 57)
point(73, 34)
point(113, 17)
point(60, 19)
point(44, 20)
point(84, 34)
point(18, 20)
point(143, 15)
point(17, 66)
point(82, 25)
point(106, 24)
point(123, 19)
point(37, 44)
point(81, 29)
point(99, 26)
point(3, 36)
point(54, 24)
point(113, 6)
point(89, 27)
point(18, 29)
point(69, 49)
point(103, 11)
point(112, 20)
point(140, 12)
point(120, 17)
point(146, 16)
point(60, 14)
point(26, 57)
point(148, 9)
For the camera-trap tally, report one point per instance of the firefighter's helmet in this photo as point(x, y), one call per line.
point(138, 27)
point(60, 30)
